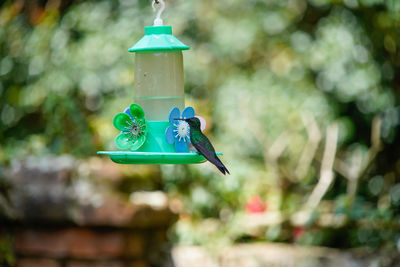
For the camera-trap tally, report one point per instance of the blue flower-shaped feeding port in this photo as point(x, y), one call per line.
point(179, 133)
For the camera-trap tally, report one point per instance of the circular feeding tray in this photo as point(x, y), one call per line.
point(129, 157)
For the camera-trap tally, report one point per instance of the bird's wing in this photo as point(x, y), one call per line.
point(211, 157)
point(203, 149)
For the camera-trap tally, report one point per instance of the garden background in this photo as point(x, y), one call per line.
point(302, 97)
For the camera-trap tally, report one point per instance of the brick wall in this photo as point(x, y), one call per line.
point(69, 213)
point(83, 246)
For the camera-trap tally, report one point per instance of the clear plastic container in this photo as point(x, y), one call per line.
point(158, 85)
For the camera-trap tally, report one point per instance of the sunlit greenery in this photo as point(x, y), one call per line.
point(264, 74)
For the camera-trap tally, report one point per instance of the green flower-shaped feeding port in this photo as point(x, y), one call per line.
point(132, 125)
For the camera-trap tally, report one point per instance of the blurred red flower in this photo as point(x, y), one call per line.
point(256, 205)
point(298, 232)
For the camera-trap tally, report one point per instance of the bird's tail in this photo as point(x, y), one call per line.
point(221, 167)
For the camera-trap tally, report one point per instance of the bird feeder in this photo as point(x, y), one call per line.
point(158, 95)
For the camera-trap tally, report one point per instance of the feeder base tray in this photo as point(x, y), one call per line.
point(129, 157)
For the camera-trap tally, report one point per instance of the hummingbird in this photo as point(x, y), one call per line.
point(203, 145)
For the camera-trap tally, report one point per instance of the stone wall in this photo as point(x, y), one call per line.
point(265, 254)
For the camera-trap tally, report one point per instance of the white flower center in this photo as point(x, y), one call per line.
point(182, 130)
point(135, 130)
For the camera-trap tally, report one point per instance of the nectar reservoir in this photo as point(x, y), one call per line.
point(158, 84)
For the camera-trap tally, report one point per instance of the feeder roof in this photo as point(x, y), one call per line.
point(158, 38)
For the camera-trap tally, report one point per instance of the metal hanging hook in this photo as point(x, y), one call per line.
point(158, 21)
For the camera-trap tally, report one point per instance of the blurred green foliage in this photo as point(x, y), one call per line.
point(260, 72)
point(7, 257)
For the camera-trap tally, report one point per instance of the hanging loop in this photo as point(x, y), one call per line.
point(158, 21)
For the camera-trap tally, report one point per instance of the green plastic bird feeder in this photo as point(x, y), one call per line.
point(159, 87)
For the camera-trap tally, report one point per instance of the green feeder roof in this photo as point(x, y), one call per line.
point(158, 38)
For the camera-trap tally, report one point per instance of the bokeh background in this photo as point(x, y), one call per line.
point(302, 96)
